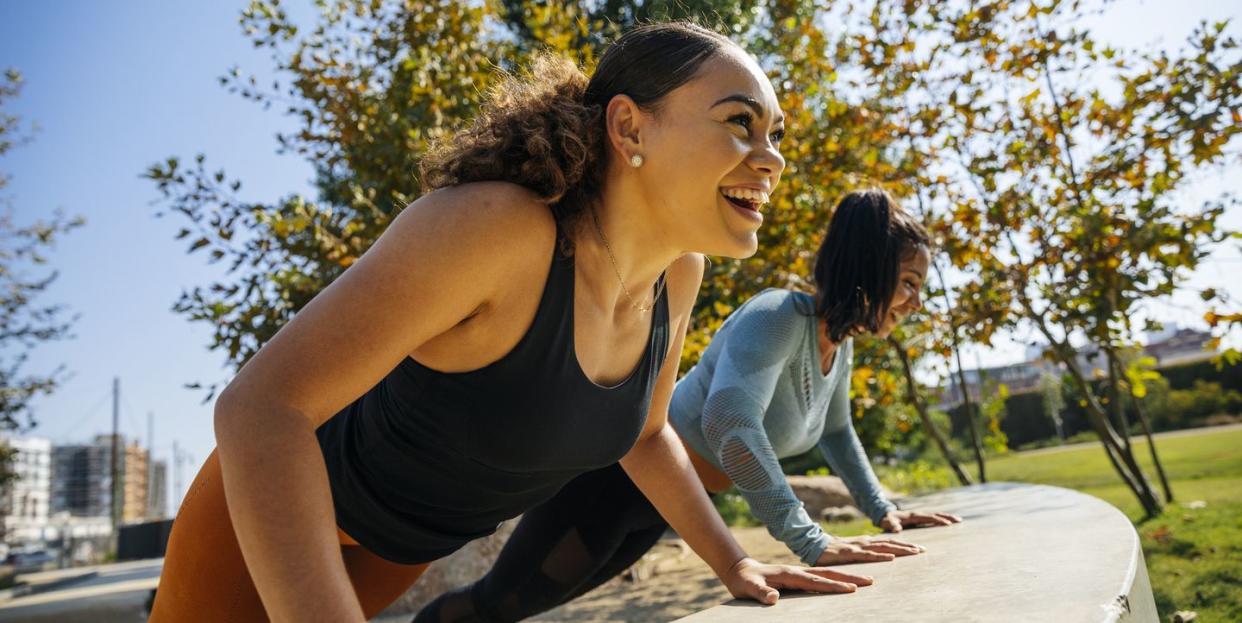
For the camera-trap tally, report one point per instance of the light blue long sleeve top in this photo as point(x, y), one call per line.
point(758, 394)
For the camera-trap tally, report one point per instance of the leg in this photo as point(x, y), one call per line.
point(595, 528)
point(205, 578)
point(376, 581)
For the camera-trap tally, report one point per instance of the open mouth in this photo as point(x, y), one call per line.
point(745, 198)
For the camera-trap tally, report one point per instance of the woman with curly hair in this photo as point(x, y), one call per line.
point(513, 329)
point(773, 383)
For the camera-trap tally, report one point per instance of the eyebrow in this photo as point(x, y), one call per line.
point(921, 275)
point(749, 101)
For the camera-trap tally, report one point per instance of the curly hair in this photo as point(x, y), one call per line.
point(535, 130)
point(545, 129)
point(857, 265)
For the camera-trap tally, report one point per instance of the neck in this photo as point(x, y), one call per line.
point(638, 253)
point(827, 347)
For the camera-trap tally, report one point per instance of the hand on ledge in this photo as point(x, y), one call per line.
point(751, 579)
point(896, 520)
point(845, 550)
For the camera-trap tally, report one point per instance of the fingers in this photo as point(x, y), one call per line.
point(890, 524)
point(858, 555)
point(841, 576)
point(931, 519)
point(896, 542)
point(862, 555)
point(766, 594)
point(918, 519)
point(801, 580)
point(756, 589)
point(893, 550)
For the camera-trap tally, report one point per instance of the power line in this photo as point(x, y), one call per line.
point(95, 409)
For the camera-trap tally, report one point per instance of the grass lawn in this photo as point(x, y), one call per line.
point(1194, 555)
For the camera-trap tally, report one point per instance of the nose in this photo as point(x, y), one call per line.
point(916, 301)
point(768, 160)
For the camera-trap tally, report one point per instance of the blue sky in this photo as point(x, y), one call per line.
point(117, 86)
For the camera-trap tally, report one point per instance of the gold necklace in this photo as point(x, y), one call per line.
point(611, 258)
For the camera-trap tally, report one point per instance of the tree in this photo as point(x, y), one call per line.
point(1072, 217)
point(25, 323)
point(1050, 195)
point(903, 353)
point(374, 83)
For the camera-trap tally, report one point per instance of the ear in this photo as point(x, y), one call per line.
point(624, 121)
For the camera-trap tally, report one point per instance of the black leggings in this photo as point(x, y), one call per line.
point(593, 529)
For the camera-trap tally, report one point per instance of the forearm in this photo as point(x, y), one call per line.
point(660, 468)
point(845, 455)
point(740, 445)
point(280, 503)
point(786, 519)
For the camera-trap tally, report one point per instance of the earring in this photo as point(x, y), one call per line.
point(636, 161)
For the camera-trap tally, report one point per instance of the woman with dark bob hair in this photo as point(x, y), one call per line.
point(515, 328)
point(773, 383)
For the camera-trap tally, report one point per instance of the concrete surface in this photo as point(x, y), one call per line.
point(1023, 553)
point(114, 593)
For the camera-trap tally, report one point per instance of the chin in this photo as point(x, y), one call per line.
point(746, 248)
point(732, 244)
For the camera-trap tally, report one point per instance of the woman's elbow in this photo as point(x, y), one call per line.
point(225, 417)
point(241, 419)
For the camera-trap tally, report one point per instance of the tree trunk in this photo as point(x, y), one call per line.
point(913, 394)
point(1122, 460)
point(971, 416)
point(1114, 396)
point(1151, 445)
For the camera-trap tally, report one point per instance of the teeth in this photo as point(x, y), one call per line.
point(746, 194)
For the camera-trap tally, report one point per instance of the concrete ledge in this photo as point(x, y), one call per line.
point(1023, 553)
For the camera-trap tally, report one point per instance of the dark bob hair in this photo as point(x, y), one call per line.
point(545, 129)
point(857, 265)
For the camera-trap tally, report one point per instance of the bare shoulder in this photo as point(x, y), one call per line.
point(448, 255)
point(685, 276)
point(500, 220)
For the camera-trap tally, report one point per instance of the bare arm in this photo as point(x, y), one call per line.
point(659, 466)
point(441, 261)
point(658, 463)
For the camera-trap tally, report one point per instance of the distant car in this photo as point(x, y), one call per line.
point(30, 562)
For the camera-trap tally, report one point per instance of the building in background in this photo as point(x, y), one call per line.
point(82, 478)
point(135, 483)
point(60, 497)
point(1171, 346)
point(157, 507)
point(1177, 345)
point(25, 498)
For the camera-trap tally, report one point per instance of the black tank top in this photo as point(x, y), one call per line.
point(427, 461)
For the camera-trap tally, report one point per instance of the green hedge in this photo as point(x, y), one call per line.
point(1194, 390)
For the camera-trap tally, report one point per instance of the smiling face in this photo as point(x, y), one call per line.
point(907, 297)
point(710, 157)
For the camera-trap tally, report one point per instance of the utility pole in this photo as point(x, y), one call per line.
point(117, 490)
